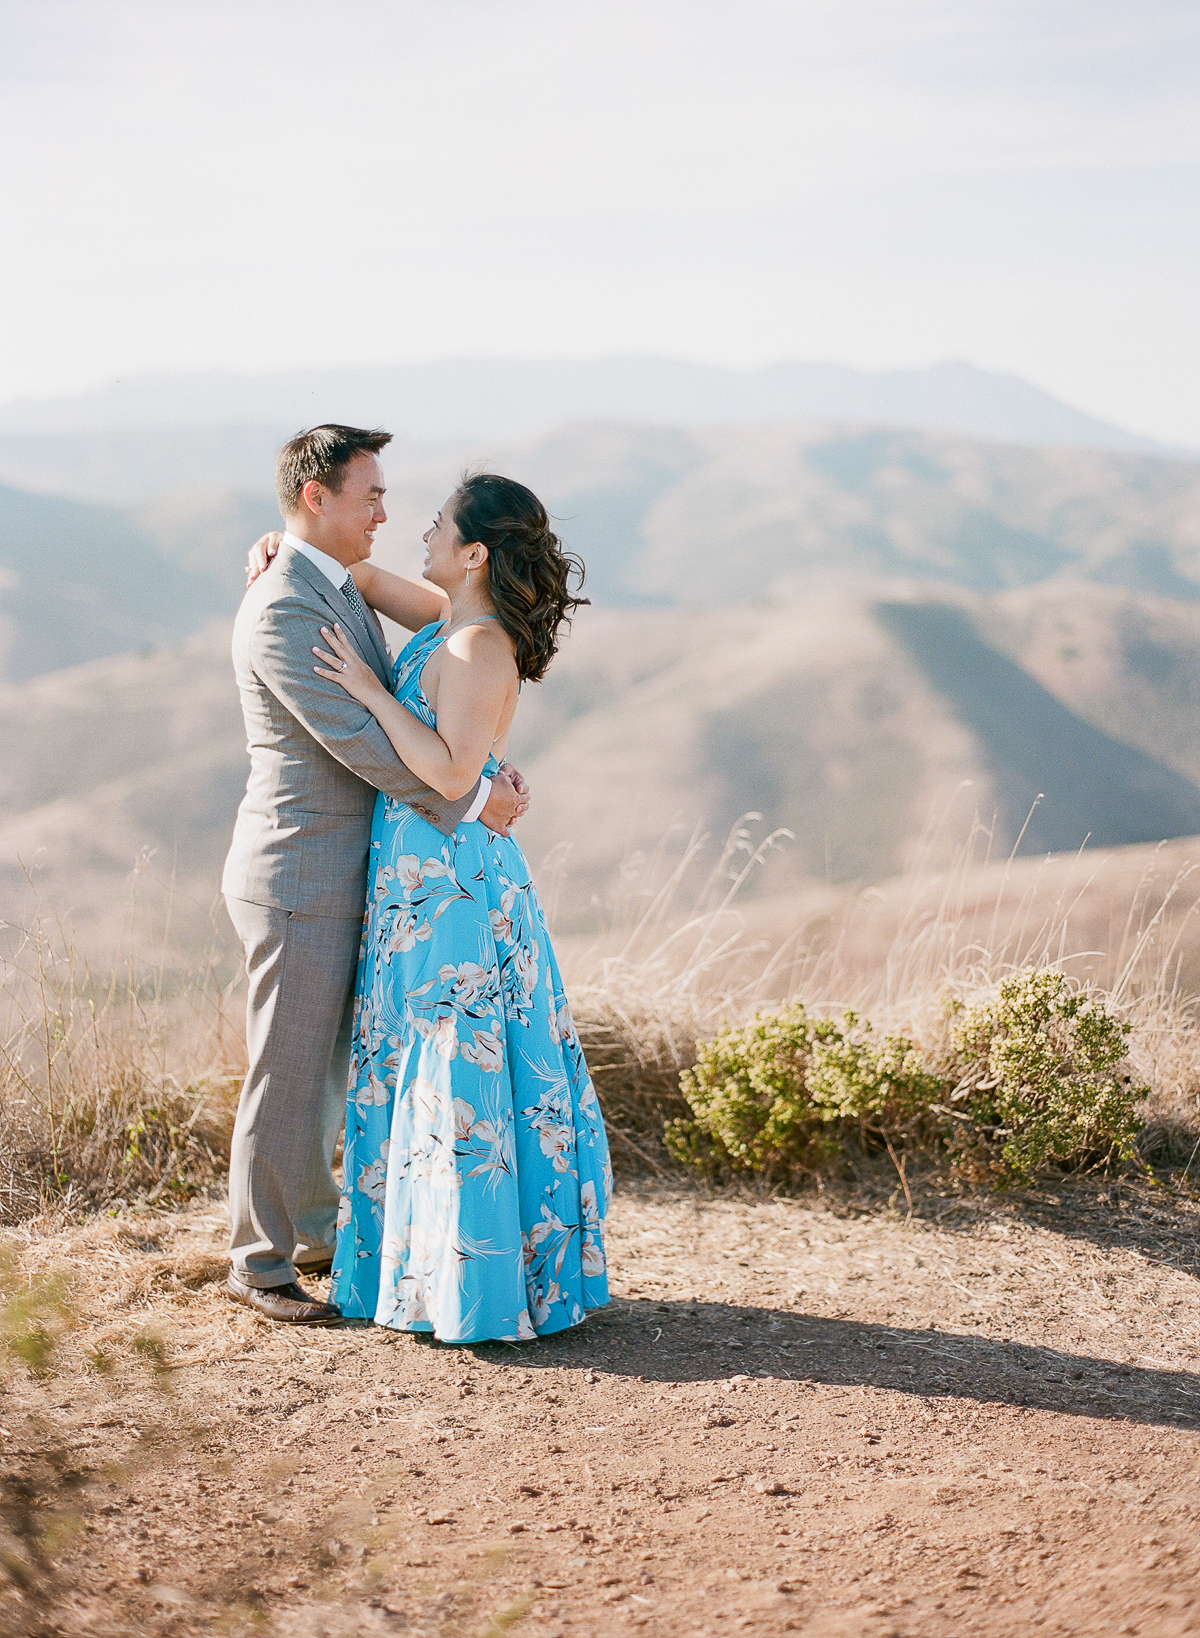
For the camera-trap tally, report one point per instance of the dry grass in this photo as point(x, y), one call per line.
point(113, 1088)
point(665, 981)
point(123, 1089)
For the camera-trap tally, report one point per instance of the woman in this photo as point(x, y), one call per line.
point(476, 1169)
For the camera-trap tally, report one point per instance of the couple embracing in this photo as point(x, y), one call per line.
point(401, 979)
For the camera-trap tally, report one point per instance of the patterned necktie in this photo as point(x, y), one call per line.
point(350, 593)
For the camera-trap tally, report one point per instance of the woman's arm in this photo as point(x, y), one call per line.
point(408, 602)
point(476, 683)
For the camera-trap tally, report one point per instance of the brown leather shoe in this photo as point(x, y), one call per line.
point(285, 1304)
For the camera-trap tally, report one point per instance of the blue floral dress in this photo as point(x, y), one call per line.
point(476, 1168)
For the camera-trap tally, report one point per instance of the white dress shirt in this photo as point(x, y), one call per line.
point(333, 571)
point(338, 574)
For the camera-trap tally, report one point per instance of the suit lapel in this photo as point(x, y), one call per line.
point(372, 647)
point(380, 641)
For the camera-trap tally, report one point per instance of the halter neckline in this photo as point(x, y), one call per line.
point(463, 624)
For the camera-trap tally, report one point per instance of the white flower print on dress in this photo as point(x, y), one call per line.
point(542, 1302)
point(557, 1144)
point(501, 919)
point(373, 1091)
point(406, 930)
point(466, 982)
point(372, 1180)
point(428, 1101)
point(526, 964)
point(493, 1145)
point(487, 1050)
point(550, 1118)
point(562, 1026)
point(441, 1033)
point(408, 872)
point(363, 1024)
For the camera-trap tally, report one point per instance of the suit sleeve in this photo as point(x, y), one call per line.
point(281, 653)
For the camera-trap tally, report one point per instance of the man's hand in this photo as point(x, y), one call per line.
point(520, 785)
point(502, 806)
point(260, 554)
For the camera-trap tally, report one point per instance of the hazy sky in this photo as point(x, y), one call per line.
point(195, 184)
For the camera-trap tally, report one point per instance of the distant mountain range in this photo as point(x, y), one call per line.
point(664, 517)
point(139, 437)
point(79, 582)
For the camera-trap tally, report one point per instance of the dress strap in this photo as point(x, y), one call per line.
point(464, 627)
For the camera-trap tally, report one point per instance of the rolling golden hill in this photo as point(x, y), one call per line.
point(848, 719)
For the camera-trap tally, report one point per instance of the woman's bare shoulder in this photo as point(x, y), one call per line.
point(485, 640)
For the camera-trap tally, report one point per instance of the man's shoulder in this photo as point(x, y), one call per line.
point(281, 587)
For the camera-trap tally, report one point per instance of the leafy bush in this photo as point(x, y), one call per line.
point(883, 1086)
point(1035, 1079)
point(774, 1098)
point(1032, 1077)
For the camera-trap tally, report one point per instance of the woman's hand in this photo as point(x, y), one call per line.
point(260, 554)
point(519, 784)
point(345, 666)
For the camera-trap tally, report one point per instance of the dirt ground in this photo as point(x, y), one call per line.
point(984, 1419)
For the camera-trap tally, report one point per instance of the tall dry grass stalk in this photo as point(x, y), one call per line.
point(114, 1086)
point(955, 925)
point(664, 979)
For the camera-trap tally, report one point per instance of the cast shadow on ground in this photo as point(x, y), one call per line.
point(1155, 1216)
point(1125, 1213)
point(709, 1342)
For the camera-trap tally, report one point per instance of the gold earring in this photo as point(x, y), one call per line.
point(468, 574)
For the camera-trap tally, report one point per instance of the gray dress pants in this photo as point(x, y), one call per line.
point(283, 1200)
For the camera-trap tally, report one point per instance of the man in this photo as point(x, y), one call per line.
point(295, 878)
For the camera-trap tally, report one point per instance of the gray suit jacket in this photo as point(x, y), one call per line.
point(317, 757)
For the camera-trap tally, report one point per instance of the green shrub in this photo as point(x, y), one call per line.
point(776, 1098)
point(1035, 1079)
point(883, 1086)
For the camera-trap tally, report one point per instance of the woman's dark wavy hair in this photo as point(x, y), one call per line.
point(529, 574)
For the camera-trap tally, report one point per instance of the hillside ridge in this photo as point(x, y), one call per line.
point(463, 397)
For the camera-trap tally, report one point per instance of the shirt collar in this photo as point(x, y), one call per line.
point(335, 572)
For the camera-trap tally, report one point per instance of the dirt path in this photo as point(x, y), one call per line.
point(788, 1421)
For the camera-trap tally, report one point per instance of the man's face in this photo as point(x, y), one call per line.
point(350, 517)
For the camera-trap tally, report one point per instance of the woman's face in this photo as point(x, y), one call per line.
point(445, 559)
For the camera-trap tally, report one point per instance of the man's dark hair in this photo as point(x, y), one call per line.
point(323, 454)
